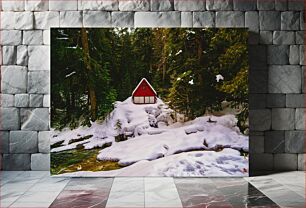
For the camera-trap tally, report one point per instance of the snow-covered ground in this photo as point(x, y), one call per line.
point(156, 145)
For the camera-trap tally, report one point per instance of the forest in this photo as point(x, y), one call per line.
point(93, 68)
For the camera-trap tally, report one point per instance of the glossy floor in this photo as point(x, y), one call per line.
point(38, 189)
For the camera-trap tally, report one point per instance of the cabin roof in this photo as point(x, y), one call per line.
point(144, 79)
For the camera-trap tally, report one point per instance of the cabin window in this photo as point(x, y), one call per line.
point(138, 99)
point(152, 99)
point(147, 99)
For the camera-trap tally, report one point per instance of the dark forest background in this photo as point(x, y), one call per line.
point(92, 68)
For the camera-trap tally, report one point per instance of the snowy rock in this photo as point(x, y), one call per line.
point(45, 20)
point(46, 101)
point(294, 54)
point(7, 20)
point(195, 5)
point(71, 19)
point(134, 5)
point(9, 55)
point(40, 162)
point(35, 120)
point(157, 19)
point(6, 100)
point(122, 19)
point(39, 58)
point(23, 141)
point(36, 5)
point(22, 55)
point(283, 37)
point(22, 100)
point(292, 76)
point(97, 19)
point(203, 19)
point(278, 54)
point(24, 20)
point(10, 119)
point(13, 79)
point(269, 20)
point(11, 37)
point(13, 5)
point(46, 37)
point(186, 19)
point(36, 100)
point(16, 161)
point(94, 5)
point(162, 5)
point(32, 37)
point(44, 141)
point(229, 19)
point(63, 5)
point(39, 82)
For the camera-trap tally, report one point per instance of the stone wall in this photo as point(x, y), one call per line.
point(276, 51)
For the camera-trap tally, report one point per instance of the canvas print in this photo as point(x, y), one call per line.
point(149, 102)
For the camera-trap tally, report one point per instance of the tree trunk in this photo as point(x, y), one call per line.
point(91, 91)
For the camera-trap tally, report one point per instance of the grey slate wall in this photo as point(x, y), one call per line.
point(276, 68)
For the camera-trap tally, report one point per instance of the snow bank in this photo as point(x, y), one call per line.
point(189, 164)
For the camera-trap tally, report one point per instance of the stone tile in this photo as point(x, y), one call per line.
point(13, 5)
point(71, 19)
point(23, 142)
point(285, 79)
point(256, 144)
point(283, 118)
point(10, 119)
point(276, 100)
point(24, 20)
point(63, 5)
point(33, 37)
point(36, 5)
point(294, 141)
point(99, 5)
point(186, 19)
point(50, 184)
point(162, 5)
point(257, 101)
point(36, 100)
point(294, 54)
point(285, 162)
point(45, 20)
point(260, 120)
point(295, 100)
point(300, 119)
point(11, 37)
point(163, 198)
point(203, 19)
point(290, 20)
point(6, 100)
point(7, 20)
point(16, 162)
point(266, 37)
point(157, 19)
point(301, 164)
point(122, 19)
point(302, 55)
point(269, 20)
point(274, 141)
point(9, 55)
point(4, 141)
point(251, 21)
point(21, 100)
point(97, 19)
point(125, 199)
point(297, 5)
point(230, 19)
point(283, 37)
point(14, 79)
point(40, 161)
point(281, 5)
point(35, 199)
point(44, 141)
point(39, 82)
point(39, 58)
point(196, 5)
point(278, 54)
point(219, 5)
point(46, 37)
point(247, 5)
point(265, 5)
point(134, 5)
point(46, 101)
point(22, 55)
point(128, 185)
point(35, 119)
point(257, 58)
point(261, 161)
point(299, 37)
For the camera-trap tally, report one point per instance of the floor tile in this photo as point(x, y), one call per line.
point(134, 184)
point(125, 199)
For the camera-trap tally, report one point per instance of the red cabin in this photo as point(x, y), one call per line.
point(144, 93)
